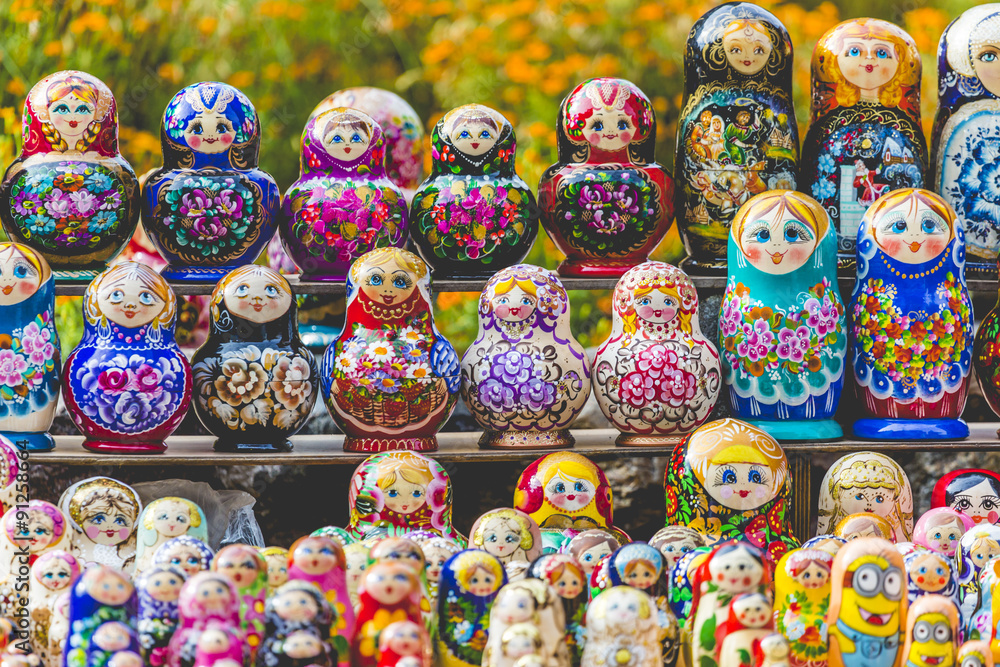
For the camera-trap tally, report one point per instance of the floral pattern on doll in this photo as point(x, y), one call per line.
point(866, 482)
point(802, 591)
point(469, 584)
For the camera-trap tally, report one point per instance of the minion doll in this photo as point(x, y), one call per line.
point(975, 653)
point(931, 632)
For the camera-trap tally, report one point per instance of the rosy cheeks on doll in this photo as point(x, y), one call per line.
point(109, 588)
point(980, 503)
point(929, 576)
point(735, 571)
point(741, 486)
point(641, 577)
point(569, 586)
point(868, 64)
point(296, 606)
point(107, 529)
point(210, 132)
point(655, 307)
point(388, 287)
point(473, 138)
point(591, 557)
point(813, 576)
point(129, 303)
point(344, 143)
point(38, 533)
point(71, 116)
point(986, 63)
point(257, 298)
point(569, 495)
point(778, 247)
point(18, 278)
point(404, 497)
point(164, 587)
point(57, 577)
point(172, 520)
point(747, 49)
point(387, 588)
point(314, 557)
point(514, 306)
point(609, 130)
point(242, 572)
point(482, 583)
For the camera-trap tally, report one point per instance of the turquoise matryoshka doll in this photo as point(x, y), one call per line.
point(783, 328)
point(470, 581)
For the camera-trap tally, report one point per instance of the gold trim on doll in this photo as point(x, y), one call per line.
point(118, 275)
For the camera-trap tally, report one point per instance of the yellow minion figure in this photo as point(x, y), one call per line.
point(931, 632)
point(975, 653)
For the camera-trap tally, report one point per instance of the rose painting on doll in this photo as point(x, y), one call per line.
point(164, 519)
point(103, 513)
point(866, 482)
point(974, 493)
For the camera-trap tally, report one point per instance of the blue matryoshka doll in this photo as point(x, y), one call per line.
point(681, 597)
point(640, 566)
point(209, 209)
point(100, 595)
point(930, 573)
point(783, 329)
point(110, 638)
point(159, 588)
point(912, 319)
point(469, 583)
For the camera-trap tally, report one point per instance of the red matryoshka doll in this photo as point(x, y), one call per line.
point(103, 514)
point(621, 625)
point(389, 592)
point(750, 620)
point(932, 632)
point(320, 560)
point(469, 584)
point(974, 493)
point(940, 529)
point(801, 597)
point(247, 569)
point(606, 203)
point(866, 482)
point(70, 195)
point(404, 644)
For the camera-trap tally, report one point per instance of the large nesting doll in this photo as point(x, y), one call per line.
point(912, 319)
point(606, 203)
point(621, 626)
point(865, 139)
point(164, 519)
point(29, 361)
point(70, 195)
point(783, 328)
point(730, 480)
point(525, 378)
point(469, 583)
point(974, 493)
point(866, 482)
point(473, 215)
point(255, 382)
point(127, 385)
point(966, 133)
point(209, 209)
point(343, 205)
point(656, 377)
point(801, 597)
point(737, 135)
point(102, 594)
point(103, 514)
point(391, 380)
point(528, 601)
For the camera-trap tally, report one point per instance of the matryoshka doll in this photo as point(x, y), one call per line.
point(255, 382)
point(356, 561)
point(783, 328)
point(641, 566)
point(404, 644)
point(940, 529)
point(207, 600)
point(508, 534)
point(30, 360)
point(674, 541)
point(51, 574)
point(866, 482)
point(100, 595)
point(864, 524)
point(980, 623)
point(70, 195)
point(159, 589)
point(408, 553)
point(730, 480)
point(41, 527)
point(737, 135)
point(58, 630)
point(865, 138)
point(974, 493)
point(801, 597)
point(209, 209)
point(929, 573)
point(247, 569)
point(389, 592)
point(127, 384)
point(912, 319)
point(110, 638)
point(590, 547)
point(967, 130)
point(103, 514)
point(566, 576)
point(297, 608)
point(437, 551)
point(473, 215)
point(319, 560)
point(391, 380)
point(277, 567)
point(468, 586)
point(164, 519)
point(750, 620)
point(932, 632)
point(975, 550)
point(656, 377)
point(220, 646)
point(621, 624)
point(341, 535)
point(528, 601)
point(189, 554)
point(525, 378)
point(974, 653)
point(606, 203)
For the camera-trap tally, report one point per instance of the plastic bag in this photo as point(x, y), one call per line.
point(229, 513)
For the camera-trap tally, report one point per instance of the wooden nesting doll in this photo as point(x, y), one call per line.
point(929, 573)
point(606, 203)
point(508, 534)
point(656, 377)
point(70, 195)
point(100, 595)
point(164, 519)
point(974, 653)
point(828, 543)
point(940, 529)
point(974, 493)
point(220, 647)
point(437, 551)
point(42, 527)
point(967, 131)
point(58, 630)
point(320, 561)
point(255, 382)
point(51, 575)
point(525, 378)
point(975, 550)
point(864, 524)
point(110, 638)
point(209, 209)
point(343, 204)
point(404, 643)
point(103, 514)
point(207, 600)
point(730, 480)
point(640, 565)
point(277, 567)
point(621, 625)
point(783, 327)
point(981, 623)
point(469, 584)
point(389, 592)
point(340, 535)
point(528, 601)
point(566, 576)
point(403, 491)
point(932, 632)
point(247, 569)
point(186, 553)
point(801, 597)
point(473, 215)
point(865, 139)
point(297, 608)
point(737, 135)
point(356, 561)
point(391, 380)
point(674, 541)
point(912, 319)
point(590, 546)
point(774, 651)
point(749, 621)
point(159, 589)
point(408, 553)
point(866, 482)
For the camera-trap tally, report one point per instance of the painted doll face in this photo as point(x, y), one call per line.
point(514, 306)
point(405, 497)
point(277, 570)
point(568, 585)
point(171, 518)
point(108, 525)
point(877, 500)
point(129, 303)
point(569, 495)
point(127, 659)
point(164, 586)
point(213, 641)
point(402, 551)
point(986, 63)
point(739, 486)
point(436, 558)
point(56, 574)
point(944, 538)
point(302, 645)
point(186, 557)
point(929, 572)
point(473, 137)
point(609, 130)
point(296, 606)
point(812, 576)
point(592, 556)
point(515, 607)
point(656, 307)
point(984, 552)
point(912, 233)
point(869, 64)
point(210, 132)
point(71, 115)
point(357, 563)
point(752, 611)
point(257, 297)
point(112, 636)
point(501, 538)
point(980, 503)
point(641, 576)
point(238, 565)
point(345, 141)
point(735, 571)
point(388, 284)
point(779, 245)
point(673, 550)
point(402, 638)
point(747, 49)
point(622, 609)
point(38, 532)
point(18, 278)
point(108, 587)
point(482, 582)
point(388, 583)
point(518, 646)
point(315, 557)
point(214, 596)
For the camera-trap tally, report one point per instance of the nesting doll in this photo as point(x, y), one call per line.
point(189, 554)
point(974, 653)
point(974, 493)
point(590, 546)
point(528, 601)
point(277, 567)
point(864, 524)
point(801, 597)
point(102, 594)
point(975, 550)
point(473, 215)
point(912, 319)
point(58, 630)
point(508, 534)
point(656, 377)
point(296, 608)
point(207, 599)
point(403, 643)
point(255, 382)
point(940, 529)
point(70, 195)
point(929, 573)
point(41, 526)
point(866, 482)
point(730, 480)
point(209, 209)
point(159, 589)
point(674, 541)
point(220, 647)
point(932, 632)
point(641, 566)
point(621, 625)
point(469, 584)
point(320, 561)
point(164, 519)
point(109, 638)
point(606, 203)
point(774, 651)
point(980, 623)
point(247, 569)
point(51, 575)
point(566, 576)
point(408, 553)
point(749, 620)
point(103, 514)
point(737, 135)
point(389, 592)
point(391, 380)
point(828, 543)
point(355, 563)
point(783, 328)
point(437, 551)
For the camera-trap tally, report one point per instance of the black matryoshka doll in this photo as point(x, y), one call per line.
point(29, 348)
point(102, 594)
point(737, 135)
point(255, 382)
point(209, 209)
point(127, 385)
point(865, 139)
point(70, 195)
point(473, 215)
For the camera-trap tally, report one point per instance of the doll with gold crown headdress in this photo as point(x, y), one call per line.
point(103, 514)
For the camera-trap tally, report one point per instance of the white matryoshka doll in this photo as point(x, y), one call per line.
point(975, 550)
point(801, 597)
point(912, 319)
point(103, 514)
point(525, 378)
point(783, 329)
point(673, 542)
point(508, 534)
point(51, 575)
point(528, 601)
point(621, 625)
point(164, 519)
point(29, 348)
point(866, 482)
point(656, 377)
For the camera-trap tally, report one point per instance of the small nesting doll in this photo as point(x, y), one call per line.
point(783, 328)
point(389, 592)
point(750, 619)
point(390, 380)
point(674, 541)
point(730, 480)
point(974, 653)
point(164, 519)
point(865, 138)
point(929, 573)
point(469, 584)
point(975, 493)
point(206, 600)
point(277, 567)
point(774, 651)
point(801, 597)
point(866, 482)
point(404, 643)
point(640, 565)
point(209, 209)
point(912, 319)
point(320, 561)
point(220, 646)
point(159, 589)
point(341, 535)
point(408, 553)
point(103, 514)
point(70, 195)
point(525, 378)
point(864, 524)
point(621, 626)
point(606, 203)
point(940, 529)
point(296, 607)
point(187, 553)
point(508, 534)
point(43, 529)
point(975, 550)
point(51, 575)
point(737, 135)
point(127, 384)
point(656, 377)
point(566, 576)
point(109, 638)
point(255, 382)
point(473, 214)
point(590, 546)
point(437, 551)
point(247, 569)
point(528, 601)
point(30, 362)
point(58, 630)
point(100, 595)
point(932, 632)
point(355, 563)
